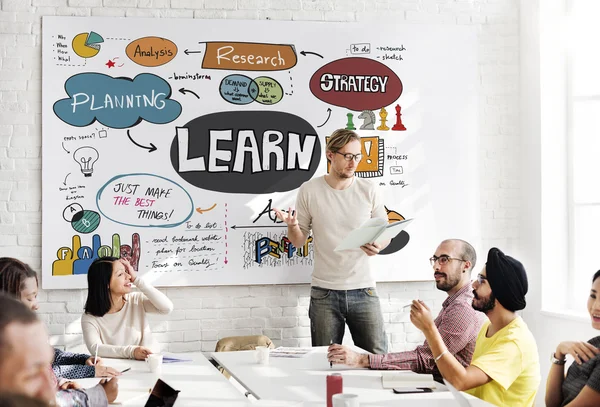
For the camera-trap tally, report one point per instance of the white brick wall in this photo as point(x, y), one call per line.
point(205, 314)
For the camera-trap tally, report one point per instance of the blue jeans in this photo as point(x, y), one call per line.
point(329, 310)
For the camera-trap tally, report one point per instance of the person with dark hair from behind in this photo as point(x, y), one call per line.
point(505, 368)
point(115, 320)
point(457, 322)
point(20, 281)
point(581, 385)
point(25, 358)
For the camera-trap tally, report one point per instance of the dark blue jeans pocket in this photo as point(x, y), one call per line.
point(371, 292)
point(317, 293)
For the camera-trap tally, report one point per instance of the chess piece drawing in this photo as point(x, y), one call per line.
point(369, 119)
point(383, 115)
point(350, 125)
point(398, 126)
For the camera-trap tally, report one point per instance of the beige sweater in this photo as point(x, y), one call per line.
point(117, 335)
point(330, 215)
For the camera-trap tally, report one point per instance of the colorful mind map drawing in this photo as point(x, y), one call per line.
point(170, 144)
point(241, 90)
point(87, 45)
point(75, 260)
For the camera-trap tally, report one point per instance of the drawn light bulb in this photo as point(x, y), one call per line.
point(86, 157)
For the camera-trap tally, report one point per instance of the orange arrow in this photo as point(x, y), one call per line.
point(200, 210)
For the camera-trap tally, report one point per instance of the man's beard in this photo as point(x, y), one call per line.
point(487, 305)
point(341, 174)
point(449, 284)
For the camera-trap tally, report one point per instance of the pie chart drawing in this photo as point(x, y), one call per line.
point(87, 45)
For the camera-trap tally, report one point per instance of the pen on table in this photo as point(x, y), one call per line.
point(123, 371)
point(330, 362)
point(96, 355)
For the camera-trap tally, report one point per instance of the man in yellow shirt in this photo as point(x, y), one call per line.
point(505, 369)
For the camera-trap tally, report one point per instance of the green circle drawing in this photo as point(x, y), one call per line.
point(269, 90)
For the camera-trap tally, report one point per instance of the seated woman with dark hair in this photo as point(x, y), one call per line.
point(115, 321)
point(20, 281)
point(581, 385)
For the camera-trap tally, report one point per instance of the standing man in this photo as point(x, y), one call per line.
point(457, 322)
point(343, 289)
point(505, 369)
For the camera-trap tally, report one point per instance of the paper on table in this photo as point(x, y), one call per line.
point(125, 395)
point(289, 352)
point(171, 359)
point(127, 391)
point(373, 230)
point(391, 380)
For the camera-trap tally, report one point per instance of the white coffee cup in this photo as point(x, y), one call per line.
point(345, 400)
point(154, 362)
point(262, 355)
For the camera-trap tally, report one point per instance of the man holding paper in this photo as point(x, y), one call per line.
point(343, 289)
point(457, 322)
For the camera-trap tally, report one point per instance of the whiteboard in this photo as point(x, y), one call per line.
point(167, 141)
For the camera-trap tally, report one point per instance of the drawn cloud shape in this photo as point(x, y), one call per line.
point(118, 103)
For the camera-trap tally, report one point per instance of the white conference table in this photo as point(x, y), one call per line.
point(304, 379)
point(200, 383)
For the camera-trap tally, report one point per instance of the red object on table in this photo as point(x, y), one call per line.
point(334, 386)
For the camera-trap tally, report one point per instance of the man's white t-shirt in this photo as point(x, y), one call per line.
point(332, 214)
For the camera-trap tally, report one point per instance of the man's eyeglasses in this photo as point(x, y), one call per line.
point(481, 278)
point(443, 259)
point(350, 157)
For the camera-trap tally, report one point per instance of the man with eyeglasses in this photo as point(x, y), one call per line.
point(505, 369)
point(343, 289)
point(457, 322)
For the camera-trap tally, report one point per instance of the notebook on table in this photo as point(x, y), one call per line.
point(407, 380)
point(128, 392)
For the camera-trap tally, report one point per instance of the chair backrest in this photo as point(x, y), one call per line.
point(235, 343)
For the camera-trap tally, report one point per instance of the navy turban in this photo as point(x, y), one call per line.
point(507, 278)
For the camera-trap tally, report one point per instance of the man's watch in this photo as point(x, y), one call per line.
point(557, 361)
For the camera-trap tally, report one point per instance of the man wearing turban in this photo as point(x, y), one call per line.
point(505, 369)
